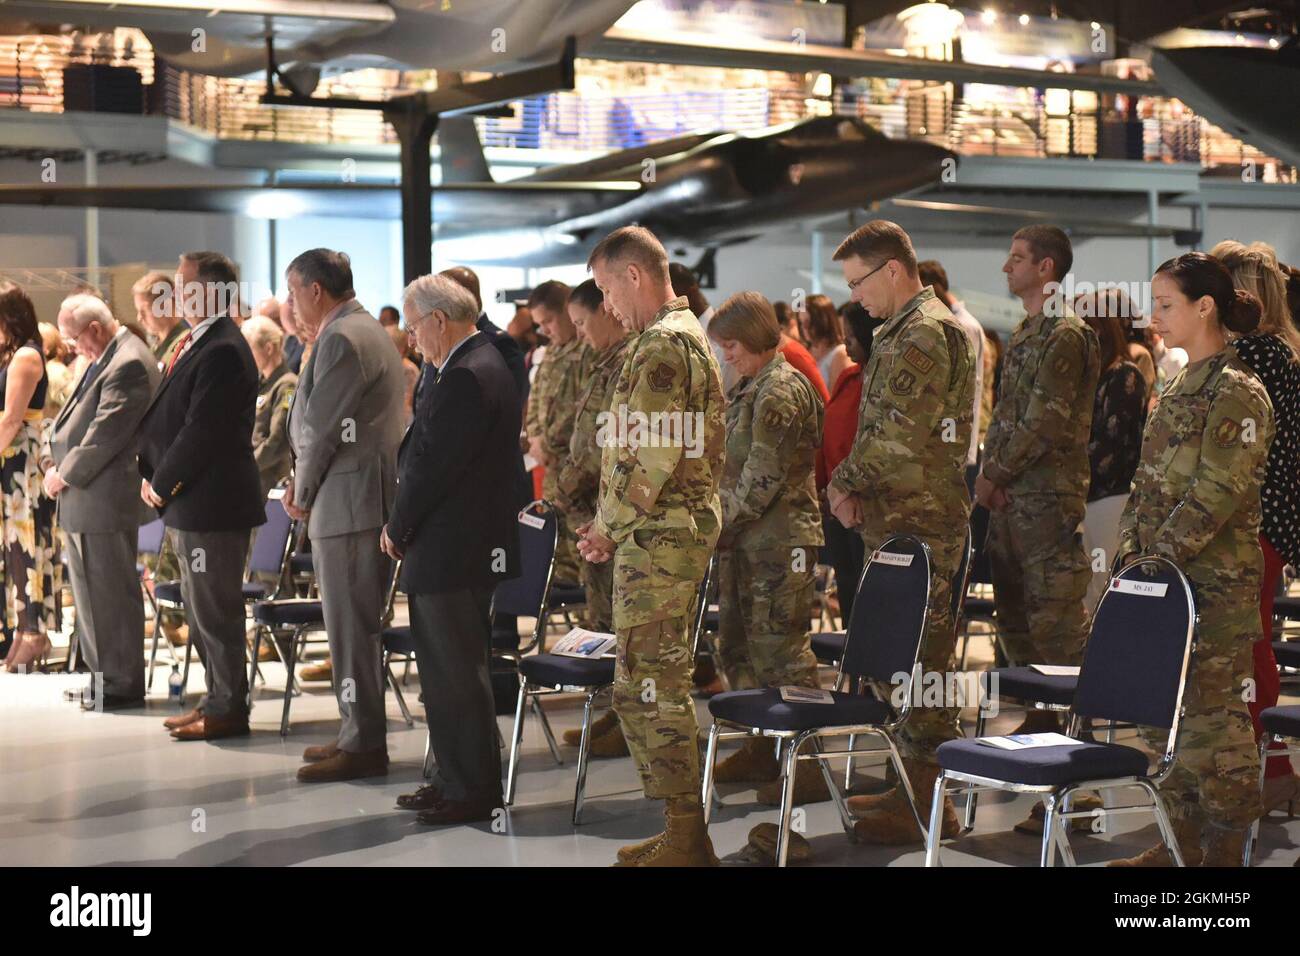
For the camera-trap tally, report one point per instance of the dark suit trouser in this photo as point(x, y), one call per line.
point(110, 608)
point(351, 573)
point(214, 608)
point(452, 638)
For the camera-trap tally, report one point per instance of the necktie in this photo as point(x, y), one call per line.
point(180, 348)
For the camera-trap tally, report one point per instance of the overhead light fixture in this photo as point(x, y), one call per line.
point(1024, 19)
point(1272, 41)
point(1095, 25)
point(989, 15)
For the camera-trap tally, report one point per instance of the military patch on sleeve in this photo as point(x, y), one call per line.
point(662, 377)
point(772, 419)
point(1226, 433)
point(902, 382)
point(1062, 365)
point(918, 360)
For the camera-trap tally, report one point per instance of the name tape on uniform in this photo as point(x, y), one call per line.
point(1140, 588)
point(889, 557)
point(532, 520)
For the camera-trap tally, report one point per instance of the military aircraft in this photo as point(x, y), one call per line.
point(703, 189)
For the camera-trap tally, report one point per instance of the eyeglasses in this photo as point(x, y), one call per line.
point(854, 283)
point(72, 339)
point(410, 326)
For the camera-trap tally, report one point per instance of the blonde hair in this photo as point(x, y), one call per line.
point(1255, 268)
point(259, 332)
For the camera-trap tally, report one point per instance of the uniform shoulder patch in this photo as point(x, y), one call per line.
point(1227, 432)
point(772, 418)
point(662, 377)
point(1062, 364)
point(917, 358)
point(902, 382)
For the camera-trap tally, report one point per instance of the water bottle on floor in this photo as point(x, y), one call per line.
point(174, 685)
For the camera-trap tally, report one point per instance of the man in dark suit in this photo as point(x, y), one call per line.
point(91, 473)
point(453, 522)
point(196, 456)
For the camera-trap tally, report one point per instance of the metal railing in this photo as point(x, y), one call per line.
point(993, 121)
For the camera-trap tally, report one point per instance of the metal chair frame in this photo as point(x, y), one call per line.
point(1058, 798)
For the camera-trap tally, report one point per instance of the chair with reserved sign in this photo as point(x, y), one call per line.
point(549, 674)
point(1134, 671)
point(884, 639)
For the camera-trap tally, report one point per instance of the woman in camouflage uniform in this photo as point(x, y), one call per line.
point(771, 524)
point(1195, 500)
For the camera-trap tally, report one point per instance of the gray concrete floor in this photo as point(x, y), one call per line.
point(114, 789)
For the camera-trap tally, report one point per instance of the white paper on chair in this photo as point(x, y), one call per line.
point(1055, 670)
point(581, 642)
point(1030, 741)
point(806, 695)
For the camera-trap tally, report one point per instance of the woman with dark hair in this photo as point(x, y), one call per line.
point(27, 548)
point(1195, 501)
point(1119, 413)
point(1272, 352)
point(822, 331)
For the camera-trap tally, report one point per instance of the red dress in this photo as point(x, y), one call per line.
point(841, 424)
point(802, 360)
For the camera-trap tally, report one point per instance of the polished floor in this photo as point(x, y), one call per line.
point(114, 789)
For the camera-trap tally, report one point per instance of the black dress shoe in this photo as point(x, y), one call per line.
point(111, 702)
point(460, 811)
point(426, 798)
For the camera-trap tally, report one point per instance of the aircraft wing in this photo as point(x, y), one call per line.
point(459, 207)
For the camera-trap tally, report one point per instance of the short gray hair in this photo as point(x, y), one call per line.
point(448, 296)
point(259, 332)
point(87, 308)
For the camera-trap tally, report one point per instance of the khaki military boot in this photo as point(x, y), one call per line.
point(685, 841)
point(1222, 847)
point(809, 786)
point(1188, 835)
point(1033, 825)
point(892, 822)
point(863, 803)
point(612, 743)
point(762, 841)
point(754, 762)
point(601, 726)
point(626, 853)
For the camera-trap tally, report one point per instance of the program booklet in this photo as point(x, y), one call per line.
point(806, 695)
point(1029, 741)
point(581, 642)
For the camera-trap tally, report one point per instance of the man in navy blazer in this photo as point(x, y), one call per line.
point(196, 458)
point(453, 524)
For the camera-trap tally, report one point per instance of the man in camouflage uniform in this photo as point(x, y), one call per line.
point(577, 482)
point(906, 475)
point(1034, 477)
point(1195, 501)
point(552, 403)
point(658, 518)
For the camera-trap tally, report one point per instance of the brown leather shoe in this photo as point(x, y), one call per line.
point(213, 728)
point(317, 752)
point(180, 720)
point(346, 765)
point(426, 798)
point(448, 812)
point(321, 671)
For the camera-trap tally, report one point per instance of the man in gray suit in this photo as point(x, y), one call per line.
point(345, 424)
point(91, 472)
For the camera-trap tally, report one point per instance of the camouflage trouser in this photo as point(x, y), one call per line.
point(929, 726)
point(598, 579)
point(1216, 778)
point(764, 607)
point(652, 697)
point(166, 568)
point(567, 560)
point(1040, 578)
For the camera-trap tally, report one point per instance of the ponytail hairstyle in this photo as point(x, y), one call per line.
point(1255, 269)
point(1197, 274)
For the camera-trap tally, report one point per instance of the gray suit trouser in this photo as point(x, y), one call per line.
point(352, 574)
point(214, 609)
point(110, 608)
point(452, 649)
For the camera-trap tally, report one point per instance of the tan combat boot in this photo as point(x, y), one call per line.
point(861, 804)
point(685, 841)
point(1188, 835)
point(612, 743)
point(892, 823)
point(601, 726)
point(762, 841)
point(754, 762)
point(809, 786)
point(1033, 825)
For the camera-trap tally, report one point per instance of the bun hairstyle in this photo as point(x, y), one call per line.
point(1197, 274)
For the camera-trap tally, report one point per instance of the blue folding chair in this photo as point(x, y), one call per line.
point(885, 636)
point(1134, 671)
point(1279, 723)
